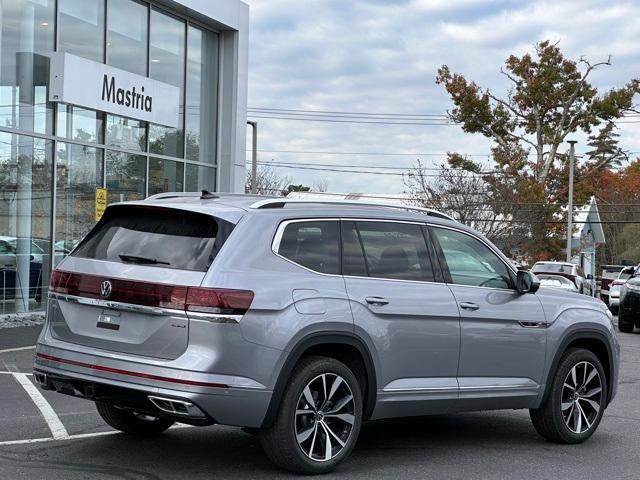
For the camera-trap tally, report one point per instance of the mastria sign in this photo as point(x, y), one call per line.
point(78, 81)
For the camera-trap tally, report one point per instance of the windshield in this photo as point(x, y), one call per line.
point(552, 267)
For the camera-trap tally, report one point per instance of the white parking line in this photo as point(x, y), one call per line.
point(51, 439)
point(19, 349)
point(5, 372)
point(53, 422)
point(75, 437)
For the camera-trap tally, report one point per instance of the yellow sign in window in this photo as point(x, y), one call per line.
point(101, 202)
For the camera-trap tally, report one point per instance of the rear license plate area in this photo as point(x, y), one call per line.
point(109, 320)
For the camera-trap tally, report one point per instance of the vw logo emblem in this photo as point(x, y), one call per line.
point(105, 288)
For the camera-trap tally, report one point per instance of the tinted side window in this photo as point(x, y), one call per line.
point(395, 250)
point(353, 263)
point(470, 261)
point(313, 245)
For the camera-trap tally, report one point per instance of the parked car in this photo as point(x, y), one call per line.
point(568, 270)
point(9, 273)
point(302, 319)
point(616, 287)
point(609, 274)
point(629, 303)
point(556, 281)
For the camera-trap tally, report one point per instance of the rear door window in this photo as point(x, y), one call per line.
point(159, 237)
point(312, 244)
point(393, 250)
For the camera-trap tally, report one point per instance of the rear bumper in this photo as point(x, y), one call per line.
point(215, 398)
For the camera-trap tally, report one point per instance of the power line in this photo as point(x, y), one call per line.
point(349, 121)
point(389, 154)
point(329, 112)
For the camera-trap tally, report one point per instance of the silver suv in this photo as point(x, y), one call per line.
point(299, 320)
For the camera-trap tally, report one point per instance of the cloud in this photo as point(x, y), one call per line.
point(382, 56)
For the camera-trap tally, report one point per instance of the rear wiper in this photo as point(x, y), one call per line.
point(141, 260)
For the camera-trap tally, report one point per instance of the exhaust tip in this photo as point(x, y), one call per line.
point(176, 407)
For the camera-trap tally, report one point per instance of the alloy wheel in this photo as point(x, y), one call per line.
point(581, 397)
point(324, 417)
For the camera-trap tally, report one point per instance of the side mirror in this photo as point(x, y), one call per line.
point(589, 276)
point(527, 282)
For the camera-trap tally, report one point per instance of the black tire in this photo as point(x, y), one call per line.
point(549, 421)
point(129, 422)
point(280, 442)
point(625, 322)
point(614, 310)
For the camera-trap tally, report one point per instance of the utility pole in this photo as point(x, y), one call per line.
point(572, 159)
point(254, 156)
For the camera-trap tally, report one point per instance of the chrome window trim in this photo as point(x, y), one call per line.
point(275, 245)
point(496, 252)
point(147, 310)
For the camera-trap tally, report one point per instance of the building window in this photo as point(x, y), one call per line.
point(166, 64)
point(79, 173)
point(165, 176)
point(126, 133)
point(202, 95)
point(81, 124)
point(81, 28)
point(26, 41)
point(126, 176)
point(25, 216)
point(127, 35)
point(199, 178)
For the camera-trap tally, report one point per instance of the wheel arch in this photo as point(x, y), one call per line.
point(328, 344)
point(592, 340)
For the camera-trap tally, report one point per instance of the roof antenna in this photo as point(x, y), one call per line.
point(207, 195)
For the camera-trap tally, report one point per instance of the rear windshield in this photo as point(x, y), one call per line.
point(159, 237)
point(552, 267)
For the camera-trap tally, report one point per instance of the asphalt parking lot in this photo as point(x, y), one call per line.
point(491, 445)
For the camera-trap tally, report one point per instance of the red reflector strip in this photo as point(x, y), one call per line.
point(128, 373)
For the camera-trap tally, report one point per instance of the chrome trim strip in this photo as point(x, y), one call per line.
point(453, 389)
point(421, 389)
point(214, 317)
point(129, 307)
point(500, 387)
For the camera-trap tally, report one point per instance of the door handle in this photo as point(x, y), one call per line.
point(469, 306)
point(379, 301)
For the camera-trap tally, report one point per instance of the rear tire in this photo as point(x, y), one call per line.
point(625, 324)
point(307, 417)
point(575, 405)
point(129, 422)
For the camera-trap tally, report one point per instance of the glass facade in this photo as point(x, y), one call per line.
point(54, 156)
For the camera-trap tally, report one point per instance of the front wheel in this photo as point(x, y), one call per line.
point(575, 405)
point(130, 422)
point(319, 418)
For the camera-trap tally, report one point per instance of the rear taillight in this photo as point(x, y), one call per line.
point(218, 300)
point(193, 299)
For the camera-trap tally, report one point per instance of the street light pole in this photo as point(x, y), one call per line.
point(254, 156)
point(572, 159)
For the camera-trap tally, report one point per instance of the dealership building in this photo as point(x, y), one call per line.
point(103, 101)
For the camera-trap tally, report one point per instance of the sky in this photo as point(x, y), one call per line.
point(382, 56)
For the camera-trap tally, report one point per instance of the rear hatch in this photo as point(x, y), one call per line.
point(127, 286)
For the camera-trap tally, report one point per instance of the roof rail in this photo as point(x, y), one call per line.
point(167, 195)
point(281, 202)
